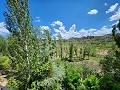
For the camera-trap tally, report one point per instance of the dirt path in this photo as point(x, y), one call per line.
point(3, 80)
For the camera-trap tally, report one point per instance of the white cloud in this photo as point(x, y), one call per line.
point(3, 30)
point(61, 29)
point(37, 19)
point(106, 4)
point(57, 23)
point(93, 12)
point(82, 33)
point(112, 8)
point(95, 32)
point(104, 30)
point(45, 28)
point(115, 23)
point(72, 32)
point(72, 28)
point(116, 16)
point(92, 30)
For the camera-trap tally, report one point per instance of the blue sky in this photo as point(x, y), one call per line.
point(72, 18)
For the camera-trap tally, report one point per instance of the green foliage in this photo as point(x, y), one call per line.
point(116, 34)
point(54, 82)
point(3, 45)
point(37, 66)
point(13, 84)
point(61, 45)
point(75, 75)
point(83, 69)
point(111, 64)
point(108, 83)
point(72, 80)
point(107, 63)
point(86, 71)
point(4, 63)
point(18, 17)
point(91, 82)
point(30, 56)
point(71, 52)
point(116, 65)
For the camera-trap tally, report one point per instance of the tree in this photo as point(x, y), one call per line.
point(86, 52)
point(3, 45)
point(18, 24)
point(61, 46)
point(75, 50)
point(116, 63)
point(71, 52)
point(28, 62)
point(116, 33)
point(111, 62)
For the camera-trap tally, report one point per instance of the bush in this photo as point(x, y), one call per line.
point(91, 82)
point(108, 83)
point(13, 84)
point(107, 63)
point(54, 82)
point(111, 64)
point(72, 80)
point(4, 63)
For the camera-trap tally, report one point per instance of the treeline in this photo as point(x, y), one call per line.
point(94, 39)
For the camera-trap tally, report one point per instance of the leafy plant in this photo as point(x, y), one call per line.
point(108, 83)
point(72, 80)
point(13, 84)
point(91, 82)
point(5, 63)
point(30, 55)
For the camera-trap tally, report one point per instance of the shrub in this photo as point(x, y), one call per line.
point(107, 63)
point(13, 84)
point(91, 82)
point(108, 83)
point(4, 63)
point(54, 82)
point(72, 80)
point(111, 64)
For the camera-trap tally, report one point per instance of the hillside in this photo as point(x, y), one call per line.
point(93, 39)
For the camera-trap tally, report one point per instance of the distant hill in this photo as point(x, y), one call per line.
point(105, 38)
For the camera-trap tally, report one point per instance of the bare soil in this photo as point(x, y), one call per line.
point(3, 80)
point(102, 52)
